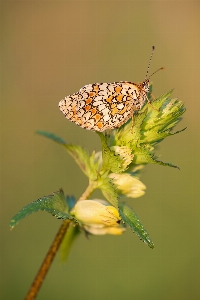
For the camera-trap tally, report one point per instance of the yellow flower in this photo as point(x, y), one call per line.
point(128, 185)
point(98, 217)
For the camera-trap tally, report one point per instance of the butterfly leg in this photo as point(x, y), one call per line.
point(149, 102)
point(132, 123)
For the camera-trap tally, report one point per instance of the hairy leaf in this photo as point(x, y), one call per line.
point(108, 190)
point(79, 154)
point(111, 161)
point(130, 218)
point(54, 204)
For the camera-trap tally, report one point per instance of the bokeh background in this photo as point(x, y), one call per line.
point(50, 49)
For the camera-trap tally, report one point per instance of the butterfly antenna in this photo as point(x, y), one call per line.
point(153, 48)
point(156, 71)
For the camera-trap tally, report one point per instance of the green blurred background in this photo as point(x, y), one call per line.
point(50, 49)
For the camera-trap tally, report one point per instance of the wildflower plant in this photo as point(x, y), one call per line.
point(115, 170)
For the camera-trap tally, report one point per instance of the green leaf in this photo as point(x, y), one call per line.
point(111, 161)
point(108, 190)
point(69, 238)
point(83, 160)
point(130, 218)
point(51, 136)
point(130, 133)
point(54, 204)
point(166, 114)
point(154, 137)
point(143, 155)
point(79, 154)
point(159, 162)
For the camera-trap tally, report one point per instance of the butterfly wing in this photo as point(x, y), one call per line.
point(101, 106)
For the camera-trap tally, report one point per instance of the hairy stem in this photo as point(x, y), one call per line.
point(32, 293)
point(34, 289)
point(91, 187)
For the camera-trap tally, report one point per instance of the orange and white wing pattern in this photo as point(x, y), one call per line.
point(102, 106)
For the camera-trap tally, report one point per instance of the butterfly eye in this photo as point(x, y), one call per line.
point(145, 85)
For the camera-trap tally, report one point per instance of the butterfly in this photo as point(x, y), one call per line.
point(103, 106)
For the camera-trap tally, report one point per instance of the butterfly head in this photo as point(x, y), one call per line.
point(145, 85)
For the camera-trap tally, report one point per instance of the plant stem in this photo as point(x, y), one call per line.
point(91, 187)
point(34, 289)
point(32, 293)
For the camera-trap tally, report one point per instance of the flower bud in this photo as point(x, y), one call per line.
point(97, 217)
point(128, 185)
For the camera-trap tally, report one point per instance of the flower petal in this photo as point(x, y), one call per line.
point(128, 185)
point(105, 230)
point(93, 212)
